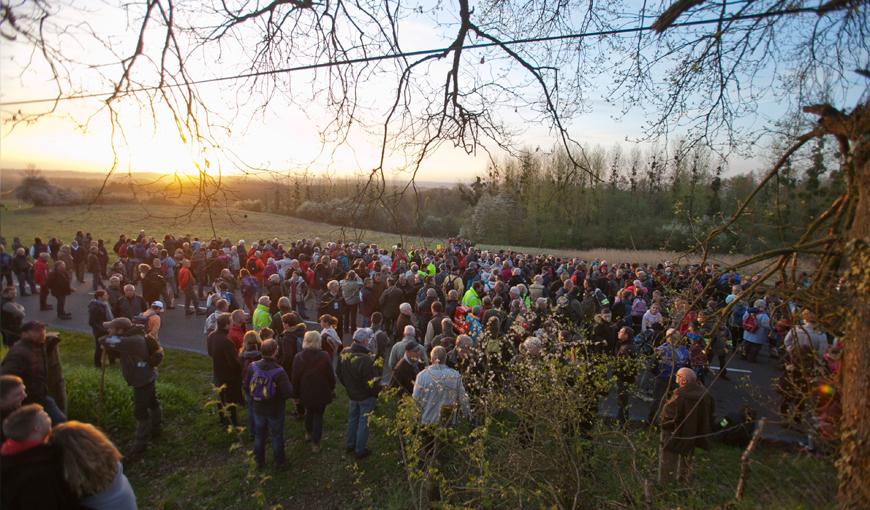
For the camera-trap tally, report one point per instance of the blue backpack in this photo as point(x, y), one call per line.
point(263, 386)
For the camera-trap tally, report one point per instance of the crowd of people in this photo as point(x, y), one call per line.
point(289, 321)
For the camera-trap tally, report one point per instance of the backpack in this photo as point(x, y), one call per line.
point(140, 319)
point(737, 314)
point(155, 351)
point(603, 302)
point(263, 386)
point(638, 307)
point(230, 298)
point(750, 323)
point(252, 266)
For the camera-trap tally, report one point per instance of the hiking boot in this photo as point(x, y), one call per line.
point(45, 308)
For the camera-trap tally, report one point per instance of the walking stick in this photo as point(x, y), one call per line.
point(102, 399)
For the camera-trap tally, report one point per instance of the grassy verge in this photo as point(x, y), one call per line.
point(198, 464)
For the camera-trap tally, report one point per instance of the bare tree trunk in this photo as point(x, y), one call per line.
point(854, 463)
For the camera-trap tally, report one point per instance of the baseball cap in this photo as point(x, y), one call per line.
point(157, 304)
point(121, 323)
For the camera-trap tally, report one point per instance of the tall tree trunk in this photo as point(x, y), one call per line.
point(854, 463)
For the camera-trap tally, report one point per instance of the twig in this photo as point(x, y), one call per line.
point(744, 461)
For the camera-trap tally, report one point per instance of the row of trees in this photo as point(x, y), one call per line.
point(646, 199)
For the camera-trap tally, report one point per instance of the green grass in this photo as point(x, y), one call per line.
point(195, 463)
point(108, 221)
point(198, 464)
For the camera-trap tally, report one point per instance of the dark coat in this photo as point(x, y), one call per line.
point(312, 378)
point(33, 364)
point(357, 372)
point(404, 375)
point(226, 369)
point(390, 301)
point(33, 479)
point(129, 308)
point(97, 315)
point(687, 419)
point(133, 351)
point(153, 285)
point(59, 283)
point(289, 345)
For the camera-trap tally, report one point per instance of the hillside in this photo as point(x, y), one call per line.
point(108, 221)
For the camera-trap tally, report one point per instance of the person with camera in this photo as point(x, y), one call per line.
point(140, 355)
point(34, 359)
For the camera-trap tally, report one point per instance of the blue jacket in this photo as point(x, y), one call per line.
point(760, 335)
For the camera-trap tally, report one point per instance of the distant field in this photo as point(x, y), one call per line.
point(107, 222)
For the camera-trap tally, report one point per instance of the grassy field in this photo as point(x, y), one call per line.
point(107, 222)
point(198, 464)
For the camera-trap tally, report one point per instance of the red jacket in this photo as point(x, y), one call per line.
point(40, 271)
point(185, 278)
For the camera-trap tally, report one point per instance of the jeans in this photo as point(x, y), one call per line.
point(752, 350)
point(249, 405)
point(348, 317)
point(358, 424)
point(25, 278)
point(51, 408)
point(190, 298)
point(314, 421)
point(274, 427)
point(145, 399)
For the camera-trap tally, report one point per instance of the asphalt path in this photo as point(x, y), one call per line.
point(750, 383)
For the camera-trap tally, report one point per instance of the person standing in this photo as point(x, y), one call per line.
point(12, 394)
point(262, 317)
point(31, 359)
point(32, 469)
point(267, 385)
point(357, 372)
point(99, 312)
point(440, 396)
point(313, 381)
point(756, 330)
point(59, 284)
point(138, 366)
point(350, 293)
point(12, 314)
point(406, 370)
point(23, 270)
point(669, 358)
point(40, 275)
point(92, 467)
point(129, 305)
point(185, 285)
point(226, 371)
point(95, 268)
point(625, 371)
point(686, 423)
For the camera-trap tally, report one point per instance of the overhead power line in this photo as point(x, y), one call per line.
point(417, 53)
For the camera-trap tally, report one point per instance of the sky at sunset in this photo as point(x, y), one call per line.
point(283, 137)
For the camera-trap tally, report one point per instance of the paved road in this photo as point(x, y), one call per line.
point(750, 383)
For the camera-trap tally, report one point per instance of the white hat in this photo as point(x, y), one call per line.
point(157, 304)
